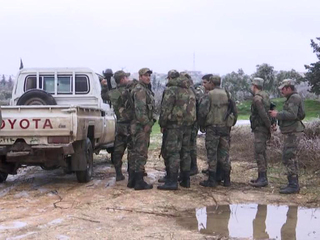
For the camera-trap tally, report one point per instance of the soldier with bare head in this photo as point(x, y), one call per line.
point(261, 127)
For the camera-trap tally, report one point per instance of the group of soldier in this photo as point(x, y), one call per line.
point(186, 108)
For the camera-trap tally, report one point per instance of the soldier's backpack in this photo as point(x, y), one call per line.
point(128, 100)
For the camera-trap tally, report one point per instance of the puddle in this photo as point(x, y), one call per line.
point(13, 225)
point(255, 221)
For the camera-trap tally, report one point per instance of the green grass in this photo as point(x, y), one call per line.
point(312, 108)
point(156, 128)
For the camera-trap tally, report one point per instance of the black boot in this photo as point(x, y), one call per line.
point(211, 182)
point(194, 167)
point(283, 187)
point(119, 175)
point(226, 178)
point(205, 171)
point(163, 179)
point(262, 180)
point(293, 186)
point(131, 179)
point(219, 173)
point(255, 180)
point(140, 184)
point(171, 182)
point(185, 179)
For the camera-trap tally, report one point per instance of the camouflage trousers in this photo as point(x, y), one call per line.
point(193, 142)
point(140, 145)
point(260, 147)
point(218, 145)
point(177, 148)
point(121, 143)
point(289, 153)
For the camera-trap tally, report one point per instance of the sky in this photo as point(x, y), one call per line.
point(212, 36)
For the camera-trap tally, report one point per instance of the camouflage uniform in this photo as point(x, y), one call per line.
point(291, 126)
point(123, 138)
point(178, 113)
point(144, 107)
point(213, 110)
point(260, 125)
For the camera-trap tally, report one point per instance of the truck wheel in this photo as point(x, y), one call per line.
point(85, 176)
point(36, 97)
point(3, 177)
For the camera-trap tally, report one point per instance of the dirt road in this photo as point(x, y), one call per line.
point(38, 204)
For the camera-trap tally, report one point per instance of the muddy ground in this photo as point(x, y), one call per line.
point(38, 204)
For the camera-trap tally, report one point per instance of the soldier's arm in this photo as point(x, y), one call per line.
point(140, 107)
point(262, 111)
point(292, 112)
point(166, 107)
point(204, 108)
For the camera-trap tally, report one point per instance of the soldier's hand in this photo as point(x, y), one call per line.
point(273, 113)
point(104, 82)
point(147, 128)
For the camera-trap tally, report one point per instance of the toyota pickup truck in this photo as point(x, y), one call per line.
point(56, 118)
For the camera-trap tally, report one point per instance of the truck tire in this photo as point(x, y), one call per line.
point(86, 175)
point(36, 97)
point(3, 177)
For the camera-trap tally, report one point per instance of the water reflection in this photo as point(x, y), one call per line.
point(255, 221)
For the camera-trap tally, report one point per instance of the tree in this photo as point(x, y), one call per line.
point(238, 84)
point(3, 81)
point(313, 70)
point(267, 72)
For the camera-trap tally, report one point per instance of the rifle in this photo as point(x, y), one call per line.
point(107, 74)
point(272, 107)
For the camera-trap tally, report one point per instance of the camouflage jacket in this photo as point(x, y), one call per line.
point(260, 119)
point(116, 96)
point(178, 106)
point(213, 108)
point(292, 114)
point(144, 104)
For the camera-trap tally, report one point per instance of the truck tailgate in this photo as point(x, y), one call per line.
point(33, 122)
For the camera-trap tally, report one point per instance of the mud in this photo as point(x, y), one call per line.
point(39, 204)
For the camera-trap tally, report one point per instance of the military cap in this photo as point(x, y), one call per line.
point(185, 74)
point(143, 71)
point(286, 82)
point(215, 79)
point(120, 74)
point(257, 81)
point(206, 77)
point(173, 74)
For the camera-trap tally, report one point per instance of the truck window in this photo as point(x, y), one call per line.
point(64, 83)
point(82, 84)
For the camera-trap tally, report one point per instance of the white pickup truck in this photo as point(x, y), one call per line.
point(56, 118)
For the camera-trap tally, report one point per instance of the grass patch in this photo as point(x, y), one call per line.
point(312, 108)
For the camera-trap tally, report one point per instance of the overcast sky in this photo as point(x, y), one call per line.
point(222, 36)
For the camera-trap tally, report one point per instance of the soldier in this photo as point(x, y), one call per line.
point(291, 126)
point(214, 117)
point(124, 116)
point(261, 127)
point(143, 120)
point(177, 115)
point(198, 92)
